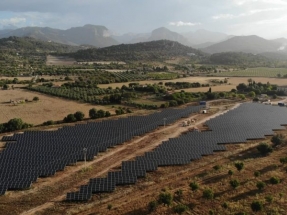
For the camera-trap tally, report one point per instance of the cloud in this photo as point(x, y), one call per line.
point(249, 13)
point(180, 23)
point(12, 21)
point(273, 2)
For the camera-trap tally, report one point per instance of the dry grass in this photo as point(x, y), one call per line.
point(47, 108)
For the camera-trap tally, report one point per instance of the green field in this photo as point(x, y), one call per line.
point(255, 72)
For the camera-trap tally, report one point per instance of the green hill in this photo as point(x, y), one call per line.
point(154, 50)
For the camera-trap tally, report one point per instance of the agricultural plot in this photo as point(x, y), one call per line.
point(130, 76)
point(47, 108)
point(231, 127)
point(255, 72)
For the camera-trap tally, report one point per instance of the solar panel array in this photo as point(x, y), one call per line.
point(248, 121)
point(33, 154)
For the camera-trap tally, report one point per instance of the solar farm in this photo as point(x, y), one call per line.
point(31, 155)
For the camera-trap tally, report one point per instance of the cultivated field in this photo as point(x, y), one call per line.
point(255, 72)
point(59, 61)
point(47, 108)
point(232, 82)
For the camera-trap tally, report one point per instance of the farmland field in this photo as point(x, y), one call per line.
point(232, 82)
point(47, 108)
point(255, 72)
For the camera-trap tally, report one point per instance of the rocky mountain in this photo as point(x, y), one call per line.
point(94, 35)
point(248, 44)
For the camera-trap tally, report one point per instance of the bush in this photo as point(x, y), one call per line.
point(230, 172)
point(208, 194)
point(178, 194)
point(194, 186)
point(36, 98)
point(256, 206)
point(165, 199)
point(239, 165)
point(264, 148)
point(234, 183)
point(179, 209)
point(109, 207)
point(107, 114)
point(274, 180)
point(152, 206)
point(49, 122)
point(79, 115)
point(225, 205)
point(70, 118)
point(283, 160)
point(260, 185)
point(257, 173)
point(93, 113)
point(269, 199)
point(217, 167)
point(277, 139)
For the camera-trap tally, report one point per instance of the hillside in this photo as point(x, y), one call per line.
point(31, 45)
point(249, 44)
point(154, 50)
point(94, 35)
point(241, 59)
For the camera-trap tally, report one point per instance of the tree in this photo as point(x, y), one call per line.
point(260, 185)
point(264, 148)
point(194, 186)
point(239, 166)
point(101, 113)
point(152, 206)
point(179, 209)
point(5, 87)
point(70, 118)
point(208, 194)
point(165, 199)
point(79, 115)
point(256, 206)
point(277, 139)
point(234, 183)
point(93, 113)
point(107, 114)
point(14, 124)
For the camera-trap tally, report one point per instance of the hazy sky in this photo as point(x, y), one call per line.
point(267, 18)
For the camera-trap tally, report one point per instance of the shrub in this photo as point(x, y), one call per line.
point(264, 148)
point(152, 206)
point(239, 165)
point(274, 180)
point(36, 98)
point(70, 118)
point(269, 199)
point(178, 194)
point(49, 122)
point(283, 160)
point(208, 194)
point(93, 113)
point(217, 167)
point(256, 206)
point(179, 209)
point(230, 172)
point(260, 185)
point(165, 199)
point(225, 205)
point(257, 173)
point(277, 139)
point(234, 183)
point(107, 114)
point(110, 206)
point(194, 186)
